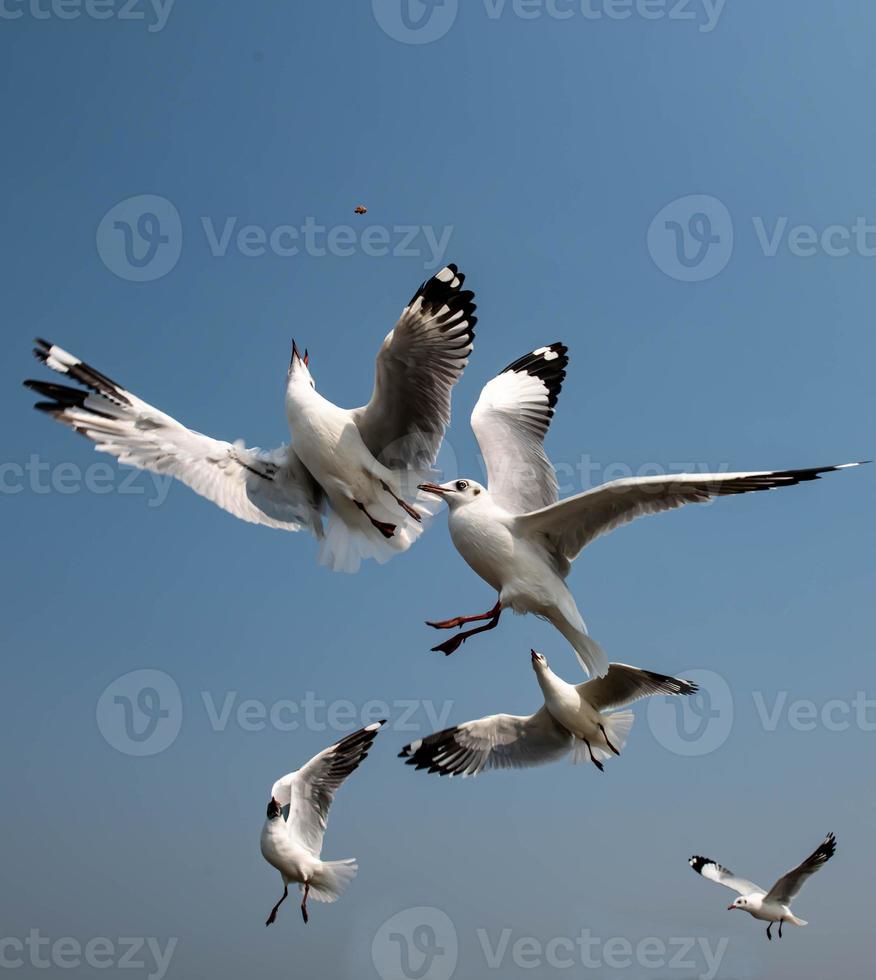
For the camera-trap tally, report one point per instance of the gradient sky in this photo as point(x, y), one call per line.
point(545, 148)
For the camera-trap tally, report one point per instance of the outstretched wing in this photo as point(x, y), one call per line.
point(420, 361)
point(510, 422)
point(494, 742)
point(715, 872)
point(575, 522)
point(623, 685)
point(271, 488)
point(309, 791)
point(789, 885)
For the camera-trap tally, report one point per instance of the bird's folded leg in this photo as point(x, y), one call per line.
point(455, 642)
point(607, 742)
point(593, 758)
point(304, 901)
point(452, 624)
point(273, 914)
point(781, 921)
point(405, 506)
point(385, 528)
point(769, 934)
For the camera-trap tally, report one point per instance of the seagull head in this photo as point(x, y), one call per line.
point(738, 903)
point(299, 369)
point(274, 809)
point(456, 492)
point(539, 661)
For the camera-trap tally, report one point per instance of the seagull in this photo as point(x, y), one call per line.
point(359, 463)
point(520, 538)
point(774, 905)
point(572, 719)
point(296, 821)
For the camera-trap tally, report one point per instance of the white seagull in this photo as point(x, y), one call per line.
point(296, 821)
point(572, 719)
point(520, 538)
point(773, 905)
point(361, 462)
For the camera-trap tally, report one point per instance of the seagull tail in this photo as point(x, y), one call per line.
point(590, 654)
point(332, 879)
point(795, 921)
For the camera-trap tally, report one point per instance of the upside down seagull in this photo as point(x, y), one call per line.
point(520, 538)
point(774, 905)
point(361, 463)
point(295, 825)
point(571, 719)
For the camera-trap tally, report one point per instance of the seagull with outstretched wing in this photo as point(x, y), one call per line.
point(577, 720)
point(296, 820)
point(774, 905)
point(520, 538)
point(361, 464)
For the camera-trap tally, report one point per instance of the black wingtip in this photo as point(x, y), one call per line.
point(548, 364)
point(697, 862)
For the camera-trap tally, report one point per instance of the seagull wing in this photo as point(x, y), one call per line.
point(494, 742)
point(309, 791)
point(789, 885)
point(271, 488)
point(420, 361)
point(715, 872)
point(510, 422)
point(575, 522)
point(623, 685)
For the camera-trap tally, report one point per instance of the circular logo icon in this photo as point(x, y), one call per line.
point(697, 724)
point(140, 238)
point(140, 713)
point(416, 944)
point(691, 239)
point(415, 21)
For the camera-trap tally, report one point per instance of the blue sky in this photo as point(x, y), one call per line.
point(536, 150)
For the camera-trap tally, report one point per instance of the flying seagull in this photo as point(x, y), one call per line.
point(571, 720)
point(296, 821)
point(773, 905)
point(520, 538)
point(359, 463)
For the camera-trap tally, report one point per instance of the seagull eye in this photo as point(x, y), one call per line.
point(461, 485)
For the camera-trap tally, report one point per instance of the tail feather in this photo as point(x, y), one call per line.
point(590, 654)
point(332, 879)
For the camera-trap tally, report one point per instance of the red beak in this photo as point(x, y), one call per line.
point(432, 488)
point(534, 655)
point(730, 908)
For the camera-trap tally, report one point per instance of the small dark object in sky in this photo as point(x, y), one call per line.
point(361, 209)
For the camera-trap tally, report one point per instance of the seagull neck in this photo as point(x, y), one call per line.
point(550, 684)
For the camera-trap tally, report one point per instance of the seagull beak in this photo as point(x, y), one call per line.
point(295, 354)
point(432, 488)
point(534, 656)
point(306, 357)
point(730, 908)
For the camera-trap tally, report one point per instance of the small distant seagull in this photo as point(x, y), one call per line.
point(571, 720)
point(360, 209)
point(359, 463)
point(296, 821)
point(520, 538)
point(773, 905)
